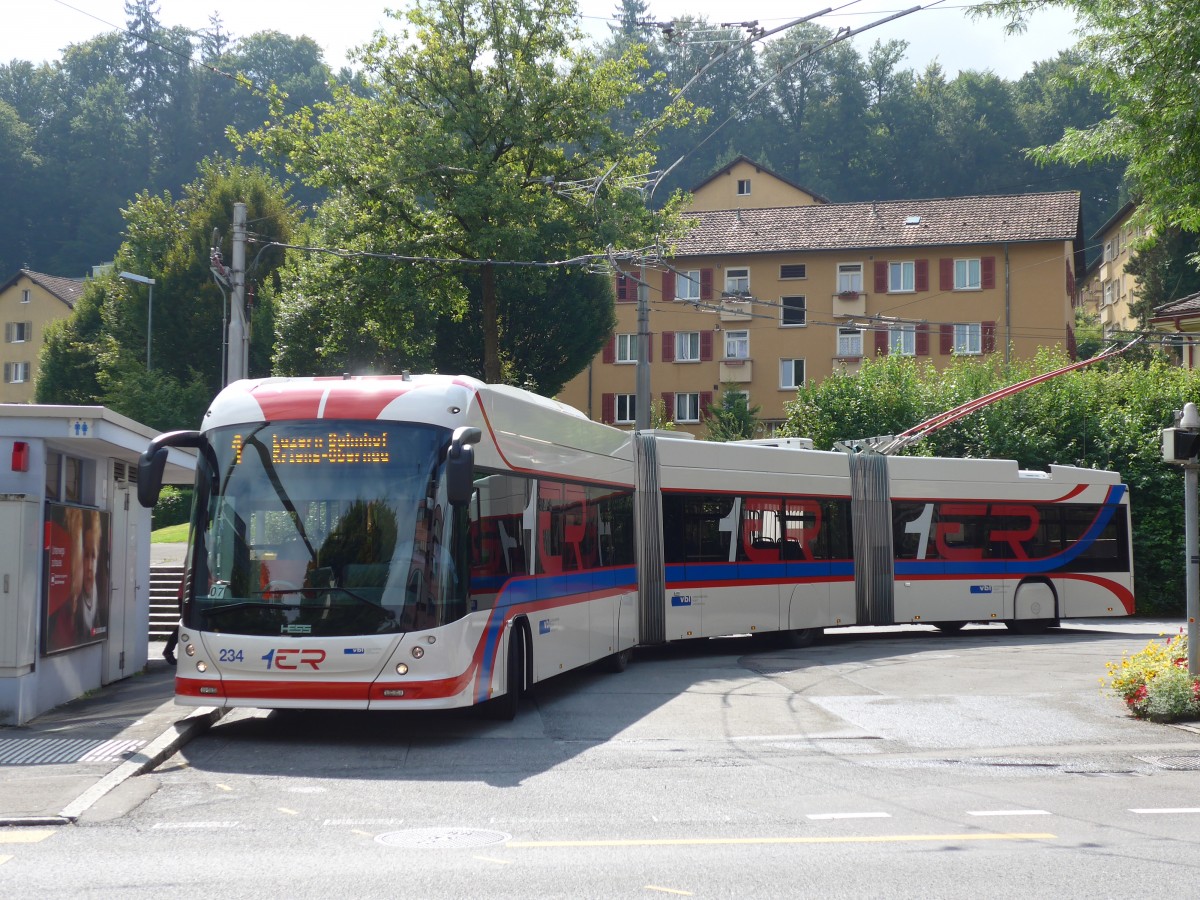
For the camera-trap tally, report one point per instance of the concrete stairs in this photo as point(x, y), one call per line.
point(164, 600)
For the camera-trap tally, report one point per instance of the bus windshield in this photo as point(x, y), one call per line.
point(325, 528)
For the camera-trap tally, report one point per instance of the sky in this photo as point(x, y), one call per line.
point(38, 30)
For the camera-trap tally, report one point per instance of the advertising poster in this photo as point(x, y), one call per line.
point(76, 583)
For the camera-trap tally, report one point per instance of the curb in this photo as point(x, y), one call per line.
point(145, 760)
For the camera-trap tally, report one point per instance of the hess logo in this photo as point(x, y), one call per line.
point(290, 658)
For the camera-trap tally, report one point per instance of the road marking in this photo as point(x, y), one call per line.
point(862, 815)
point(4, 859)
point(492, 859)
point(702, 842)
point(290, 812)
point(663, 890)
point(195, 824)
point(1167, 810)
point(24, 835)
point(224, 787)
point(1009, 812)
point(360, 831)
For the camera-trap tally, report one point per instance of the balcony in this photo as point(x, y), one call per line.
point(850, 304)
point(737, 371)
point(735, 310)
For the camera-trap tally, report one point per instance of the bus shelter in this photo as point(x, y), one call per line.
point(75, 554)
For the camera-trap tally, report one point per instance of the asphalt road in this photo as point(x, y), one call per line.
point(887, 763)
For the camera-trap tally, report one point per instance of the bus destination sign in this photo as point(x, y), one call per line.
point(332, 448)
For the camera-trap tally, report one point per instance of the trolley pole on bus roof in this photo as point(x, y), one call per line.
point(1180, 447)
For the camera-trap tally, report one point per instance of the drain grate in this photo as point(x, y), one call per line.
point(1177, 763)
point(443, 838)
point(51, 751)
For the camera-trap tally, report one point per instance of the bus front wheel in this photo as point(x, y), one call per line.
point(504, 708)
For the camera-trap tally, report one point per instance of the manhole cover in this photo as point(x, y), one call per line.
point(443, 838)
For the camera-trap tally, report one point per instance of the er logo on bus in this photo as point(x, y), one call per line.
point(291, 658)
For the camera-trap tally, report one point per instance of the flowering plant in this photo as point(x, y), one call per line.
point(1155, 683)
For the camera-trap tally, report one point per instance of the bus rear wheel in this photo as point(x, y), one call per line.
point(949, 627)
point(796, 638)
point(617, 662)
point(1031, 626)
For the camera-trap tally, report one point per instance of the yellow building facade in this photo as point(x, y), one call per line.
point(29, 301)
point(762, 299)
point(1107, 289)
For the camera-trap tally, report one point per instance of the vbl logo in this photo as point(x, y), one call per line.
point(291, 658)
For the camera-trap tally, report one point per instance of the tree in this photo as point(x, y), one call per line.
point(487, 136)
point(735, 419)
point(1165, 269)
point(98, 355)
point(1138, 55)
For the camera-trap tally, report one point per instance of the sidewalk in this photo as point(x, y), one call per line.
point(55, 768)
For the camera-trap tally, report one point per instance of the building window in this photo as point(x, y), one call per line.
point(737, 345)
point(743, 187)
point(737, 282)
point(16, 373)
point(966, 275)
point(687, 285)
point(791, 373)
point(626, 408)
point(687, 346)
point(687, 408)
point(901, 277)
point(902, 340)
point(792, 311)
point(967, 339)
point(849, 343)
point(64, 477)
point(1108, 293)
point(18, 332)
point(25, 298)
point(1108, 251)
point(627, 347)
point(798, 270)
point(850, 278)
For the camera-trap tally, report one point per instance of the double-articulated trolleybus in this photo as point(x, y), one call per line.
point(434, 542)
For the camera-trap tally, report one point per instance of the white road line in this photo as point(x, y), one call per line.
point(4, 859)
point(1008, 812)
point(196, 824)
point(862, 815)
point(1183, 810)
point(24, 835)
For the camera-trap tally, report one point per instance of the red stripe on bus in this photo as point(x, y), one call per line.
point(298, 402)
point(1122, 593)
point(274, 690)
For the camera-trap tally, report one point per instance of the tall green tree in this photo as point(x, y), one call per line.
point(487, 135)
point(1166, 269)
point(733, 419)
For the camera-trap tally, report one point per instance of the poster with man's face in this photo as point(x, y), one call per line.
point(75, 601)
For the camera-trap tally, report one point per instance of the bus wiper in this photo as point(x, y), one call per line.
point(321, 590)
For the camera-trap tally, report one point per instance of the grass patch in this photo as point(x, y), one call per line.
point(172, 534)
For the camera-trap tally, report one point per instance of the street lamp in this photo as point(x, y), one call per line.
point(142, 279)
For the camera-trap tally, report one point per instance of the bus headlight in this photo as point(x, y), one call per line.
point(401, 668)
point(418, 652)
point(201, 666)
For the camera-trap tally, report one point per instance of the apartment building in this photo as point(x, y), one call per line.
point(775, 286)
point(29, 301)
point(1107, 289)
point(1182, 316)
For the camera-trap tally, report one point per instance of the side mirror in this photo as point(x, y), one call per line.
point(460, 465)
point(153, 461)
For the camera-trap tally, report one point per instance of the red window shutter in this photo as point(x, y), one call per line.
point(706, 350)
point(987, 272)
point(922, 339)
point(622, 288)
point(706, 284)
point(668, 286)
point(706, 399)
point(945, 274)
point(668, 346)
point(1070, 280)
point(608, 408)
point(668, 400)
point(946, 342)
point(610, 350)
point(987, 337)
point(881, 342)
point(880, 276)
point(921, 272)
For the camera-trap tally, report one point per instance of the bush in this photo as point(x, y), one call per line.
point(1155, 683)
point(174, 507)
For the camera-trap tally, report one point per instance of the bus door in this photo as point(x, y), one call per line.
point(949, 562)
